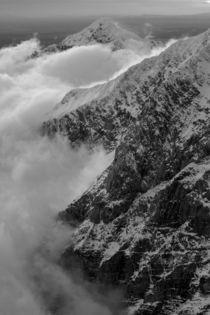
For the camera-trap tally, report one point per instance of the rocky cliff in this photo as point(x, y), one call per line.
point(144, 226)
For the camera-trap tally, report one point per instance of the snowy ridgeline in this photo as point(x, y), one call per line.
point(144, 225)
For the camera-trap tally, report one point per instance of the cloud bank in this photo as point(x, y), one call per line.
point(39, 177)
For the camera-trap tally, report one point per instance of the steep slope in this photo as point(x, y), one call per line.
point(145, 224)
point(100, 115)
point(157, 252)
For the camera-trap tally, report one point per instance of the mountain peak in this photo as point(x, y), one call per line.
point(103, 31)
point(104, 21)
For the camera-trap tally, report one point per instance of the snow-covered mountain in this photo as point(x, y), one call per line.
point(105, 31)
point(144, 226)
point(102, 112)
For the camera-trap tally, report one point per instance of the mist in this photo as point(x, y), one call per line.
point(40, 177)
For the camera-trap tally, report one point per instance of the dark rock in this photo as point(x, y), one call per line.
point(145, 225)
point(207, 146)
point(205, 285)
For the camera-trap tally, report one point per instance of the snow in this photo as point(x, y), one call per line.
point(112, 249)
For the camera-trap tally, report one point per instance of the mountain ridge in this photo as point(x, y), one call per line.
point(122, 98)
point(144, 225)
point(105, 31)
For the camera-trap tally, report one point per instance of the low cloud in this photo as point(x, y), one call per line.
point(37, 179)
point(40, 177)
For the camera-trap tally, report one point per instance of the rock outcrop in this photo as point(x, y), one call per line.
point(157, 251)
point(144, 226)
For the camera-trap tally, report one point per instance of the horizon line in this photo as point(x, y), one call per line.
point(22, 18)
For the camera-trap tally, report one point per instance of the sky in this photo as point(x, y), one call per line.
point(55, 8)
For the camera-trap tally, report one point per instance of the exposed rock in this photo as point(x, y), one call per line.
point(144, 226)
point(205, 285)
point(152, 259)
point(106, 31)
point(207, 147)
point(102, 114)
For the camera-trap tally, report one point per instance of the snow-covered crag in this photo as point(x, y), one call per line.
point(145, 224)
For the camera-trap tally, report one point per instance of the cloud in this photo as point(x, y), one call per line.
point(39, 177)
point(32, 86)
point(85, 65)
point(88, 65)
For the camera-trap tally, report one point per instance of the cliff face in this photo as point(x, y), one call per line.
point(145, 224)
point(157, 250)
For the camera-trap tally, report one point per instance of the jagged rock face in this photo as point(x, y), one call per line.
point(144, 226)
point(157, 251)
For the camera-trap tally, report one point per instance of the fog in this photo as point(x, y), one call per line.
point(39, 177)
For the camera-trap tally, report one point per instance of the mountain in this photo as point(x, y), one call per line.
point(99, 115)
point(144, 226)
point(105, 31)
